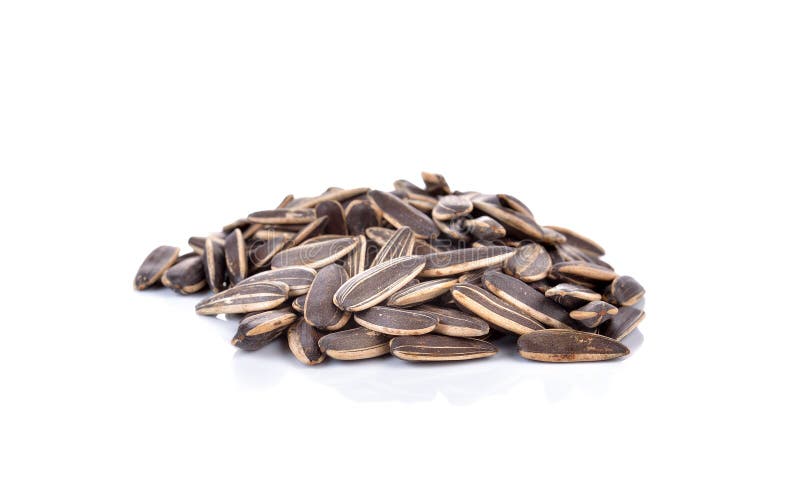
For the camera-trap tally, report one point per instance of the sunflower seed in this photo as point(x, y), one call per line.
point(400, 214)
point(271, 233)
point(186, 276)
point(552, 237)
point(572, 296)
point(245, 299)
point(197, 243)
point(455, 262)
point(621, 325)
point(579, 241)
point(422, 292)
point(426, 205)
point(625, 291)
point(451, 206)
point(283, 216)
point(235, 256)
point(528, 300)
point(310, 230)
point(214, 265)
point(453, 229)
point(257, 330)
point(529, 263)
point(512, 220)
point(594, 314)
point(410, 190)
point(435, 184)
point(583, 272)
point(297, 278)
point(485, 228)
point(360, 216)
point(379, 234)
point(285, 202)
point(515, 204)
point(357, 260)
point(452, 322)
point(396, 322)
point(303, 342)
point(564, 346)
point(319, 309)
point(314, 255)
point(155, 265)
point(401, 243)
point(356, 343)
point(493, 309)
point(378, 283)
point(261, 252)
point(299, 304)
point(333, 194)
point(335, 213)
point(433, 347)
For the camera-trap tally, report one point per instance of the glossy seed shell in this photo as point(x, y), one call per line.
point(245, 299)
point(314, 255)
point(433, 347)
point(396, 322)
point(449, 263)
point(297, 278)
point(401, 243)
point(529, 263)
point(254, 343)
point(400, 214)
point(353, 344)
point(318, 308)
point(422, 292)
point(527, 299)
point(493, 309)
point(452, 322)
point(154, 265)
point(376, 284)
point(560, 345)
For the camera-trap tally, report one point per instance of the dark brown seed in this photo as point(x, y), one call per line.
point(515, 204)
point(356, 261)
point(582, 271)
point(433, 347)
point(360, 216)
point(422, 247)
point(400, 214)
point(253, 344)
point(314, 255)
point(310, 230)
point(409, 190)
point(493, 309)
point(304, 343)
point(572, 296)
point(594, 314)
point(527, 299)
point(335, 213)
point(153, 267)
point(455, 262)
point(283, 216)
point(565, 346)
point(376, 284)
point(401, 243)
point(396, 322)
point(245, 299)
point(241, 224)
point(186, 276)
point(356, 343)
point(452, 322)
point(579, 241)
point(625, 291)
point(621, 325)
point(451, 206)
point(333, 194)
point(197, 243)
point(529, 263)
point(512, 220)
point(297, 278)
point(214, 265)
point(379, 234)
point(319, 309)
point(299, 304)
point(426, 205)
point(257, 330)
point(321, 238)
point(435, 184)
point(236, 256)
point(422, 292)
point(485, 228)
point(261, 252)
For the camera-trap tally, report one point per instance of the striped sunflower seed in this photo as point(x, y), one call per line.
point(400, 244)
point(400, 214)
point(435, 184)
point(407, 189)
point(310, 230)
point(360, 216)
point(256, 331)
point(594, 314)
point(579, 241)
point(283, 216)
point(572, 296)
point(625, 291)
point(214, 265)
point(376, 284)
point(396, 322)
point(455, 262)
point(262, 251)
point(451, 206)
point(564, 346)
point(356, 261)
point(335, 213)
point(235, 256)
point(333, 194)
point(297, 278)
point(453, 229)
point(314, 255)
point(621, 325)
point(452, 322)
point(299, 304)
point(186, 276)
point(512, 220)
point(493, 309)
point(433, 347)
point(303, 342)
point(515, 204)
point(422, 292)
point(154, 266)
point(529, 263)
point(485, 228)
point(245, 299)
point(353, 344)
point(528, 300)
point(379, 234)
point(319, 309)
point(582, 271)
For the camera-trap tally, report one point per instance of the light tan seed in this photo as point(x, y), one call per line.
point(529, 263)
point(621, 325)
point(314, 255)
point(401, 243)
point(245, 299)
point(268, 234)
point(452, 322)
point(353, 344)
point(376, 284)
point(422, 292)
point(298, 278)
point(433, 347)
point(493, 309)
point(560, 345)
point(528, 300)
point(155, 265)
point(283, 216)
point(400, 214)
point(266, 322)
point(319, 309)
point(303, 342)
point(572, 296)
point(449, 263)
point(451, 206)
point(396, 322)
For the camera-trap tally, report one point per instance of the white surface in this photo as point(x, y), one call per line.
point(665, 131)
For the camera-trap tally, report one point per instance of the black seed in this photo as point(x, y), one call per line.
point(319, 309)
point(153, 267)
point(186, 276)
point(335, 213)
point(400, 214)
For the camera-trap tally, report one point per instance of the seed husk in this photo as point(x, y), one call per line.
point(572, 296)
point(515, 204)
point(283, 216)
point(407, 189)
point(565, 346)
point(582, 271)
point(493, 309)
point(621, 325)
point(452, 322)
point(319, 309)
point(360, 216)
point(310, 230)
point(333, 194)
point(400, 244)
point(625, 291)
point(552, 237)
point(334, 211)
point(241, 224)
point(435, 184)
point(270, 233)
point(186, 276)
point(378, 283)
point(485, 228)
point(236, 256)
point(255, 325)
point(214, 265)
point(353, 344)
point(455, 262)
point(242, 299)
point(357, 260)
point(433, 347)
point(303, 342)
point(579, 241)
point(396, 322)
point(155, 265)
point(262, 251)
point(529, 263)
point(379, 234)
point(453, 229)
point(512, 220)
point(528, 300)
point(285, 201)
point(297, 278)
point(422, 292)
point(400, 214)
point(451, 206)
point(299, 304)
point(314, 255)
point(426, 205)
point(594, 314)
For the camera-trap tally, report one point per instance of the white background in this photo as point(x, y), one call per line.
point(664, 130)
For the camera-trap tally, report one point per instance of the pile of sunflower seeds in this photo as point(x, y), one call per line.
point(424, 274)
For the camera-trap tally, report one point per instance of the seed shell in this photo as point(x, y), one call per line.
point(422, 292)
point(625, 291)
point(357, 260)
point(493, 309)
point(378, 283)
point(485, 228)
point(303, 342)
point(155, 265)
point(400, 214)
point(262, 251)
point(360, 216)
point(335, 213)
point(297, 278)
point(214, 265)
point(283, 216)
point(310, 230)
point(314, 255)
point(235, 256)
point(266, 322)
point(319, 309)
point(621, 325)
point(572, 296)
point(583, 271)
point(451, 206)
point(253, 343)
point(529, 263)
point(396, 322)
point(579, 241)
point(564, 346)
point(455, 262)
point(512, 220)
point(245, 299)
point(333, 194)
point(594, 314)
point(401, 243)
point(527, 299)
point(435, 184)
point(186, 276)
point(515, 204)
point(452, 322)
point(433, 347)
point(353, 344)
